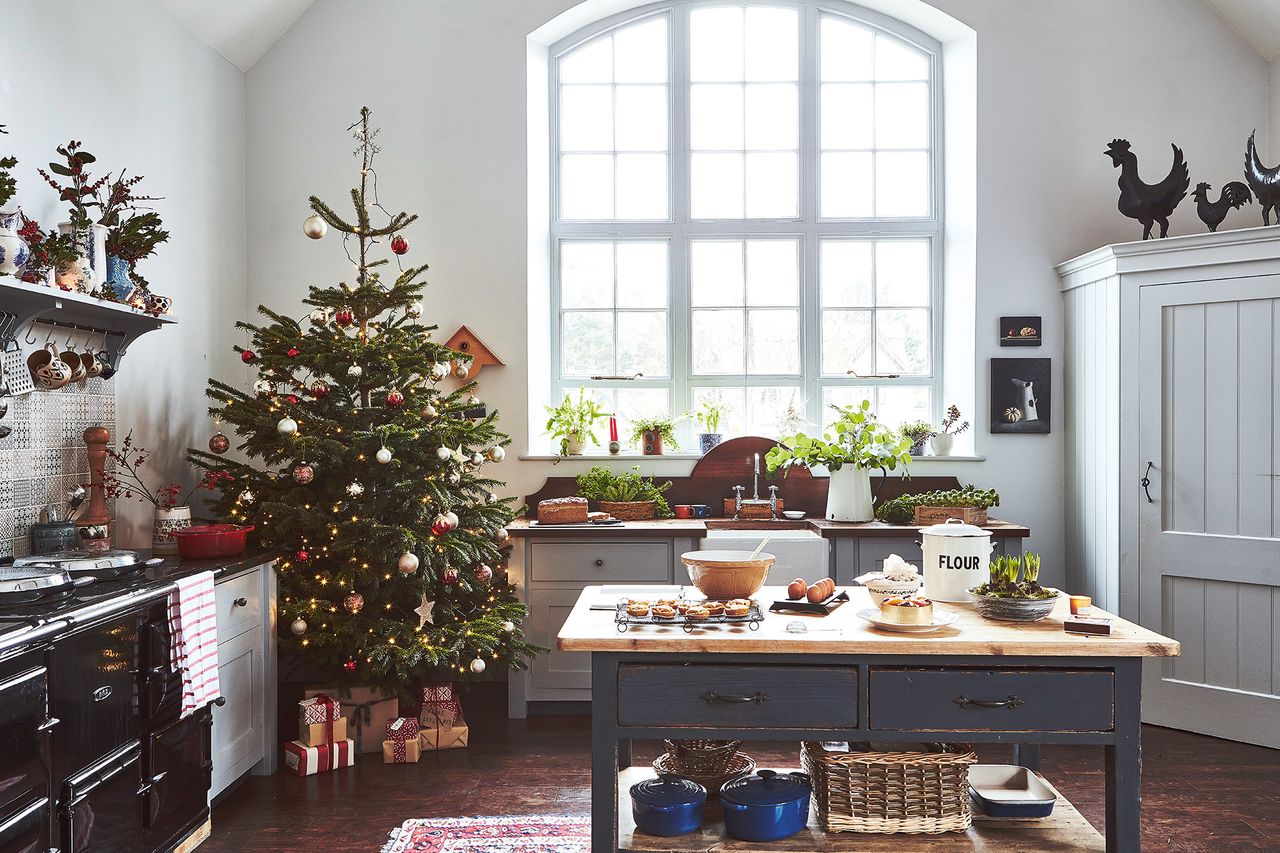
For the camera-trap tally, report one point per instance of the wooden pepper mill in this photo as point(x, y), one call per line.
point(94, 523)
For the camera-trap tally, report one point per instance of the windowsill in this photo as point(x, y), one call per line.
point(639, 457)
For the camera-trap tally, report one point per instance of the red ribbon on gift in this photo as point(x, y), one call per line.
point(400, 731)
point(331, 713)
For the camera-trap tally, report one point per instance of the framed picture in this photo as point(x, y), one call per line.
point(1021, 394)
point(1020, 331)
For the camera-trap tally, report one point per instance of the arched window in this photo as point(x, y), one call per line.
point(746, 208)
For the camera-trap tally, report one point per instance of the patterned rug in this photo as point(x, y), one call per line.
point(517, 834)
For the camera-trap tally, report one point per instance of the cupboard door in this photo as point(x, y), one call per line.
point(548, 608)
point(238, 725)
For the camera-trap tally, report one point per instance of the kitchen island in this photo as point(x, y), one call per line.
point(975, 681)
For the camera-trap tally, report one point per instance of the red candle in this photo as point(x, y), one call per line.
point(613, 429)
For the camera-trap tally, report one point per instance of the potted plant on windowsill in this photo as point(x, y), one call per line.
point(709, 416)
point(626, 496)
point(918, 433)
point(946, 434)
point(652, 434)
point(859, 444)
point(574, 422)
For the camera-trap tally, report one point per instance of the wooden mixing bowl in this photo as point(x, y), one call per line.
point(727, 574)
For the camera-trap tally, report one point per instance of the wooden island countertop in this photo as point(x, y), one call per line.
point(588, 630)
point(698, 527)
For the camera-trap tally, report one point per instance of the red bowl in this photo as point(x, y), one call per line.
point(205, 542)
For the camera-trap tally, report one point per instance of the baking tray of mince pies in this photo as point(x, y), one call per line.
point(688, 615)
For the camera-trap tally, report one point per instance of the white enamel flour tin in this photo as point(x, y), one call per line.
point(957, 556)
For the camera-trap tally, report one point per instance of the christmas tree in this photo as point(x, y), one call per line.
point(367, 472)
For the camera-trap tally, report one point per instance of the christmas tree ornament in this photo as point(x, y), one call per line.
point(440, 525)
point(493, 499)
point(355, 488)
point(473, 400)
point(399, 245)
point(319, 389)
point(247, 356)
point(292, 352)
point(449, 576)
point(395, 399)
point(319, 316)
point(482, 574)
point(353, 602)
point(354, 371)
point(443, 454)
point(497, 453)
point(461, 370)
point(304, 473)
point(413, 309)
point(439, 371)
point(293, 399)
point(501, 536)
point(302, 556)
point(429, 412)
point(263, 387)
point(286, 426)
point(350, 665)
point(477, 459)
point(344, 317)
point(509, 627)
point(219, 443)
point(426, 612)
point(451, 517)
point(247, 497)
point(383, 455)
point(408, 563)
point(299, 627)
point(477, 666)
point(454, 478)
point(315, 227)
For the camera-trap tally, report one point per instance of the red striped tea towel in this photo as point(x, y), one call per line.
point(193, 627)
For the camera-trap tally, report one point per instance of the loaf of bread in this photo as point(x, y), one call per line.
point(562, 511)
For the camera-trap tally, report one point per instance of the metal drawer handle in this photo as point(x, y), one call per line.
point(599, 563)
point(1010, 703)
point(240, 602)
point(711, 697)
point(48, 724)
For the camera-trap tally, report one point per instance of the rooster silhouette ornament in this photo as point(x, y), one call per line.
point(1148, 203)
point(1233, 195)
point(1264, 182)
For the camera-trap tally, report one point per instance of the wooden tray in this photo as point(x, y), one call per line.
point(624, 620)
point(822, 608)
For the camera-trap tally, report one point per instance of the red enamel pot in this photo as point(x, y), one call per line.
point(208, 541)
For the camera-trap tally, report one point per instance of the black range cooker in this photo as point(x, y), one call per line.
point(95, 756)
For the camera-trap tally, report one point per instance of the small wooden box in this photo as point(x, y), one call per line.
point(749, 511)
point(939, 514)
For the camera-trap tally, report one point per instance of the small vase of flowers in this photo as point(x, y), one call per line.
point(946, 434)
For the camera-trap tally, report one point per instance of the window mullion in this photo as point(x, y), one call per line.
point(680, 324)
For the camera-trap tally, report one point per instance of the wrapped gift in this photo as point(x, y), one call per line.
point(440, 705)
point(318, 708)
point(402, 745)
point(444, 737)
point(308, 760)
point(315, 734)
point(367, 711)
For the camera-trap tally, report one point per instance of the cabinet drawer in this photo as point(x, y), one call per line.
point(1002, 700)
point(600, 562)
point(239, 604)
point(737, 696)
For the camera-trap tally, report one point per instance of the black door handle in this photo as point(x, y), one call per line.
point(1145, 482)
point(599, 563)
point(711, 697)
point(1010, 703)
point(240, 602)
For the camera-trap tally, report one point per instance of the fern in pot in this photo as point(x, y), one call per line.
point(857, 444)
point(626, 496)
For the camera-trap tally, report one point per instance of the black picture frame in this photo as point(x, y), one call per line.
point(1012, 380)
point(1011, 327)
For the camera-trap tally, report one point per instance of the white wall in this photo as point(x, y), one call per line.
point(1274, 105)
point(1057, 80)
point(141, 92)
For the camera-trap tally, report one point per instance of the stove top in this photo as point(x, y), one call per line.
point(15, 615)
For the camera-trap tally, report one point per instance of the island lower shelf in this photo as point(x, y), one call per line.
point(1066, 829)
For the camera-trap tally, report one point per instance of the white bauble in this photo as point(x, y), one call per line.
point(455, 478)
point(319, 316)
point(263, 387)
point(452, 518)
point(477, 459)
point(315, 227)
point(299, 627)
point(429, 412)
point(497, 454)
point(493, 499)
point(439, 371)
point(473, 400)
point(509, 626)
point(383, 456)
point(247, 497)
point(414, 309)
point(355, 488)
point(461, 370)
point(354, 371)
point(443, 454)
point(408, 563)
point(501, 536)
point(286, 426)
point(477, 666)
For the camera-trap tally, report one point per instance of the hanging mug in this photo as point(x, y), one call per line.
point(92, 367)
point(48, 370)
point(104, 358)
point(72, 359)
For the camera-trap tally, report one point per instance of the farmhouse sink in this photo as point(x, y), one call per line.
point(799, 552)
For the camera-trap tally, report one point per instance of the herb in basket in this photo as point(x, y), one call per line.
point(901, 510)
point(601, 484)
point(1004, 581)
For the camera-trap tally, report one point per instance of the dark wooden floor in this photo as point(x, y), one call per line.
point(1200, 793)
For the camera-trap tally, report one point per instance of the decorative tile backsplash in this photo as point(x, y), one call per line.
point(45, 457)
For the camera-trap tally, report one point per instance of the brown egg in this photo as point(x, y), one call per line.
point(817, 592)
point(796, 589)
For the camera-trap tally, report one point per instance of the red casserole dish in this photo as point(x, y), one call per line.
point(205, 542)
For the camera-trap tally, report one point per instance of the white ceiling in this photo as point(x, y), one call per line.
point(243, 30)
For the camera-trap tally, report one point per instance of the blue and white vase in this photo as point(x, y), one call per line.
point(709, 441)
point(118, 277)
point(14, 251)
point(92, 242)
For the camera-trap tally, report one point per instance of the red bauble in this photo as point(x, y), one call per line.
point(293, 399)
point(399, 245)
point(353, 602)
point(303, 556)
point(350, 665)
point(450, 576)
point(482, 574)
point(319, 390)
point(304, 474)
point(293, 352)
point(219, 443)
point(343, 317)
point(440, 526)
point(395, 399)
point(247, 356)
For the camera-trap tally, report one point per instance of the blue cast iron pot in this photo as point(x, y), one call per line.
point(668, 805)
point(766, 806)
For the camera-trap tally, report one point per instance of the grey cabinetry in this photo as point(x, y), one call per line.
point(853, 555)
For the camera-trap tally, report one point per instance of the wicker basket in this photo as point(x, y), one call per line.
point(740, 765)
point(631, 510)
point(891, 792)
point(939, 514)
point(702, 757)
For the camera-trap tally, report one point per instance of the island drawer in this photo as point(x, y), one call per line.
point(1006, 700)
point(737, 696)
point(600, 562)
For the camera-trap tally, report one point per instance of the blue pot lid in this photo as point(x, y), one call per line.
point(766, 788)
point(668, 790)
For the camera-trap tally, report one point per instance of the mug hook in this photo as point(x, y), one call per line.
point(30, 336)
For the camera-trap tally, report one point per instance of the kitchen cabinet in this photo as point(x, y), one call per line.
point(856, 549)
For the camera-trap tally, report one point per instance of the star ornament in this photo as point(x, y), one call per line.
point(426, 612)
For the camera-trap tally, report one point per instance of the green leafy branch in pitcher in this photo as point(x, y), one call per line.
point(859, 440)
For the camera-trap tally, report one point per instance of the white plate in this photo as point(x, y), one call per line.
point(940, 620)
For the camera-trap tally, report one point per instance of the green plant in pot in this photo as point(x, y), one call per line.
point(1006, 598)
point(653, 434)
point(942, 438)
point(709, 415)
point(573, 422)
point(129, 241)
point(627, 496)
point(856, 444)
point(917, 432)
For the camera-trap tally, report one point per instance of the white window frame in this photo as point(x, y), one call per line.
point(678, 229)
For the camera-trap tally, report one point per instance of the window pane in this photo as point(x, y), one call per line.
point(715, 272)
point(902, 341)
point(843, 396)
point(773, 341)
point(896, 61)
point(733, 418)
point(902, 272)
point(772, 117)
point(845, 274)
point(847, 185)
point(772, 46)
point(642, 275)
point(897, 405)
point(902, 115)
point(642, 343)
point(717, 191)
point(902, 184)
point(642, 186)
point(591, 63)
point(641, 118)
point(772, 412)
point(640, 52)
point(586, 275)
point(846, 342)
point(586, 118)
point(772, 185)
point(847, 50)
point(717, 342)
point(587, 343)
point(773, 276)
point(586, 186)
point(846, 115)
point(715, 114)
point(715, 44)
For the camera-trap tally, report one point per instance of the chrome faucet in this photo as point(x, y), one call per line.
point(755, 500)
